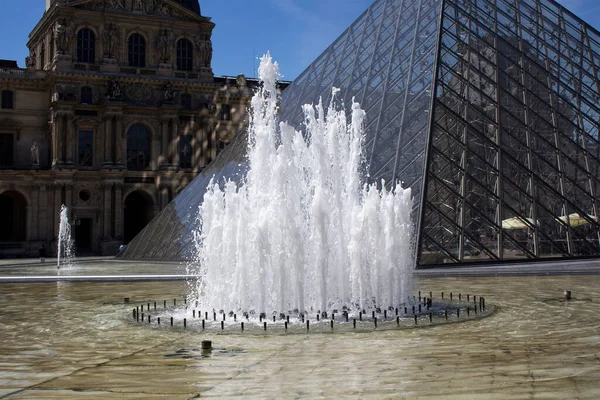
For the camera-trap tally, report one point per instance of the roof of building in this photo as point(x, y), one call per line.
point(193, 5)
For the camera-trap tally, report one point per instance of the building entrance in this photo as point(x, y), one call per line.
point(83, 235)
point(138, 212)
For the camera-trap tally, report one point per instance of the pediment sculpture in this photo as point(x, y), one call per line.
point(150, 7)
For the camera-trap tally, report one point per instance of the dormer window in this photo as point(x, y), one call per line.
point(137, 51)
point(185, 55)
point(8, 99)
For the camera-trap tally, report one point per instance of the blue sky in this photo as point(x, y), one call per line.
point(295, 31)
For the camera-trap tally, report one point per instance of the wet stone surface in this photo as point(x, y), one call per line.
point(77, 340)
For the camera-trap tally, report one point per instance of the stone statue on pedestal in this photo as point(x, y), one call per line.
point(35, 154)
point(64, 34)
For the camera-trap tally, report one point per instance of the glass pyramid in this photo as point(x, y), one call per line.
point(488, 109)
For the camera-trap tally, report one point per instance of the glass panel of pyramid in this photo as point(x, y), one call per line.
point(513, 156)
point(488, 109)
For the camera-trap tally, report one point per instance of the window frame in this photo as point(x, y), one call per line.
point(83, 96)
point(86, 46)
point(136, 50)
point(136, 143)
point(7, 101)
point(185, 55)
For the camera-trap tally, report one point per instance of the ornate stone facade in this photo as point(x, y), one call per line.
point(123, 115)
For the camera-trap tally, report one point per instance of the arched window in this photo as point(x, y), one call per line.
point(185, 55)
point(138, 147)
point(8, 99)
point(137, 51)
point(86, 46)
point(186, 101)
point(87, 96)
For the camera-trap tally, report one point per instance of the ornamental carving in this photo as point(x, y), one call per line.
point(95, 195)
point(138, 92)
point(150, 7)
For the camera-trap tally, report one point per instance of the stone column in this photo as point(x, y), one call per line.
point(35, 199)
point(70, 141)
point(123, 138)
point(108, 128)
point(57, 139)
point(175, 144)
point(43, 216)
point(118, 139)
point(69, 198)
point(57, 205)
point(164, 197)
point(106, 188)
point(29, 223)
point(118, 207)
point(155, 151)
point(165, 141)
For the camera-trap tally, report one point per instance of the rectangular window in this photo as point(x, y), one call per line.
point(225, 112)
point(185, 151)
point(7, 99)
point(85, 149)
point(6, 149)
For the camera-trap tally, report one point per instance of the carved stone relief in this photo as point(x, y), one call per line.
point(138, 92)
point(151, 7)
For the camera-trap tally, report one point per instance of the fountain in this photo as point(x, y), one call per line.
point(303, 231)
point(65, 249)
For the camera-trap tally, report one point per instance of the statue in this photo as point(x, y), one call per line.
point(30, 60)
point(206, 52)
point(110, 38)
point(241, 80)
point(64, 34)
point(164, 45)
point(169, 95)
point(35, 154)
point(113, 90)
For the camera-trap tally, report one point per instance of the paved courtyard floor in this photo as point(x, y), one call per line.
point(68, 339)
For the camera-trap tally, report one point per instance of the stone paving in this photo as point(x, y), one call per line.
point(64, 340)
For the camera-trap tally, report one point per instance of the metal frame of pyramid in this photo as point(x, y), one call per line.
point(488, 109)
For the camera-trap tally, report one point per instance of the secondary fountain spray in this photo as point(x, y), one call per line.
point(303, 231)
point(65, 250)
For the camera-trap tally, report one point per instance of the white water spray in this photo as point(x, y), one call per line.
point(302, 232)
point(66, 248)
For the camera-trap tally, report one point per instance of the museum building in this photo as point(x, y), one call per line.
point(116, 111)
